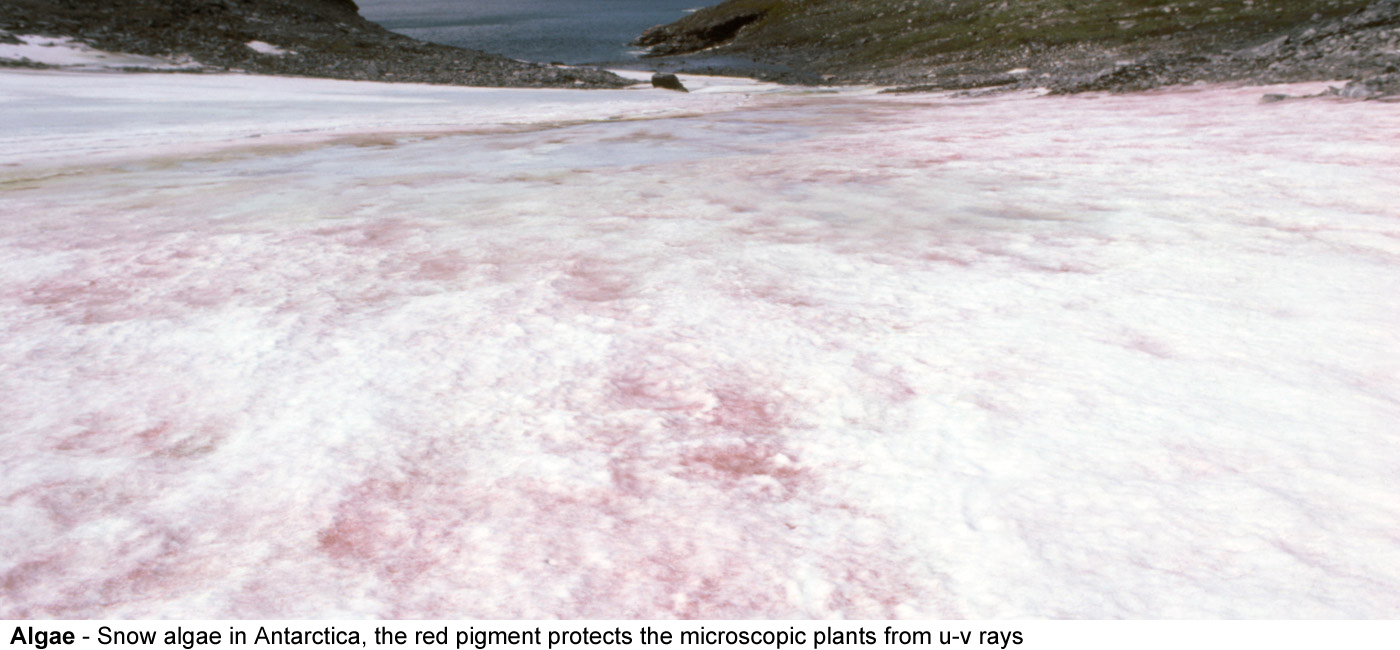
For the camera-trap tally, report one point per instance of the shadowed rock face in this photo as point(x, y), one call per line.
point(683, 37)
point(1068, 47)
point(325, 38)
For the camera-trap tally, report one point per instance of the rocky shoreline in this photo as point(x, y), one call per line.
point(1096, 45)
point(908, 45)
point(314, 38)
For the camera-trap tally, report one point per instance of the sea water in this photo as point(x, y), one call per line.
point(567, 31)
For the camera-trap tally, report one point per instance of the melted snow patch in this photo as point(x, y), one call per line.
point(65, 52)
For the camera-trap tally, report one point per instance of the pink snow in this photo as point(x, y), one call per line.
point(746, 354)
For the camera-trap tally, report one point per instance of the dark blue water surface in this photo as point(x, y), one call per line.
point(568, 31)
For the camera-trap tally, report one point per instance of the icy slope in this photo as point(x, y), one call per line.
point(468, 353)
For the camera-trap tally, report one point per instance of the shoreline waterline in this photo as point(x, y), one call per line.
point(592, 32)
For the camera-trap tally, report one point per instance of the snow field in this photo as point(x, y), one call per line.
point(445, 352)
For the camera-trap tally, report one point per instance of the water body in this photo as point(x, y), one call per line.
point(568, 31)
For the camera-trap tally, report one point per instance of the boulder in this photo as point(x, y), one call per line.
point(667, 81)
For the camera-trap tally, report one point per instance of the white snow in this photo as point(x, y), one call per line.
point(143, 116)
point(443, 352)
point(62, 51)
point(266, 48)
point(713, 84)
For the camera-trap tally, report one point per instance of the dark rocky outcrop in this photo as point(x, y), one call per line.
point(327, 38)
point(1114, 45)
point(667, 81)
point(691, 34)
